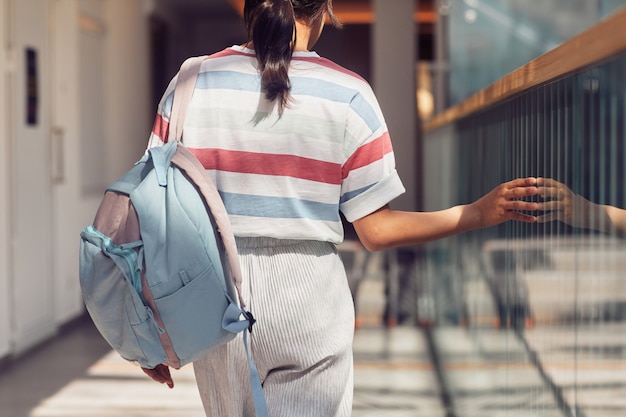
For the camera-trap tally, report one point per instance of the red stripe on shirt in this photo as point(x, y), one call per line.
point(269, 164)
point(161, 128)
point(368, 153)
point(230, 52)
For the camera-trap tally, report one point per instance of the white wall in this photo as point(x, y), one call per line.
point(127, 85)
point(31, 211)
point(5, 329)
point(71, 209)
point(112, 106)
point(43, 202)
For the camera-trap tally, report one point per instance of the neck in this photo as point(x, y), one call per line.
point(303, 35)
point(306, 35)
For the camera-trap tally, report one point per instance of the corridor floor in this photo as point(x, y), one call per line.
point(76, 375)
point(401, 371)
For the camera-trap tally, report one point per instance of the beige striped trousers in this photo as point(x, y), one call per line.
point(302, 341)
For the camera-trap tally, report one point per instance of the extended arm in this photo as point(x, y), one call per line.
point(386, 228)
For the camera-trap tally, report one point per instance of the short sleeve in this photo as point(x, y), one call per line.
point(369, 176)
point(160, 128)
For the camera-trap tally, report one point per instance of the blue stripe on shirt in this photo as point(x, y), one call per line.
point(299, 86)
point(279, 207)
point(350, 195)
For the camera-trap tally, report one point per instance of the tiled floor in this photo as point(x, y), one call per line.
point(394, 376)
point(76, 375)
point(402, 371)
point(488, 373)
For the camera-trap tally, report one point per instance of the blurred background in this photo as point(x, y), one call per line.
point(525, 320)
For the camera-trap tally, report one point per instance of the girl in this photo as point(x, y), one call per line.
point(291, 139)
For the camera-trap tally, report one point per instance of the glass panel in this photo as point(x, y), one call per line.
point(490, 38)
point(530, 320)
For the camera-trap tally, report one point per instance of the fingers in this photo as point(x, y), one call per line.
point(554, 193)
point(520, 217)
point(518, 189)
point(164, 372)
point(160, 374)
point(550, 205)
point(521, 192)
point(550, 192)
point(522, 182)
point(552, 189)
point(520, 205)
point(548, 189)
point(152, 373)
point(546, 218)
point(547, 182)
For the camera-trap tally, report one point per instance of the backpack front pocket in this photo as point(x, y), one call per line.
point(192, 317)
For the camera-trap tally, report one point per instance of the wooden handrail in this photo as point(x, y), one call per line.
point(600, 42)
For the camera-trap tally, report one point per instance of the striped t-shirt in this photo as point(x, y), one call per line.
point(288, 177)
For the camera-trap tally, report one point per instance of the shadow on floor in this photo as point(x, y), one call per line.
point(44, 370)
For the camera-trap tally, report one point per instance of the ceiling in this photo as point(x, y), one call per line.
point(348, 11)
point(199, 7)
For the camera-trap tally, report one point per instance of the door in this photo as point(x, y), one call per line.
point(31, 277)
point(68, 115)
point(5, 206)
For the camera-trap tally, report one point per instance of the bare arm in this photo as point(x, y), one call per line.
point(386, 228)
point(618, 219)
point(565, 205)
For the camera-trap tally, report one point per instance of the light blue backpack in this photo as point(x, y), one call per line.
point(159, 269)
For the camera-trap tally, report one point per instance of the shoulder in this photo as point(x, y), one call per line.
point(328, 75)
point(231, 58)
point(329, 66)
point(329, 70)
point(231, 52)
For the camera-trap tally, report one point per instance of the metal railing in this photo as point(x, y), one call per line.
point(542, 306)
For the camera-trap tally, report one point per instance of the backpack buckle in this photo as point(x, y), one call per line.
point(251, 320)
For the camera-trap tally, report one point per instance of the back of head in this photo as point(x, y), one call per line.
point(271, 26)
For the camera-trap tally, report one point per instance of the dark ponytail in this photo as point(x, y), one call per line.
point(271, 26)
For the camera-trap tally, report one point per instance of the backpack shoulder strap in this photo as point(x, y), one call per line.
point(185, 86)
point(188, 163)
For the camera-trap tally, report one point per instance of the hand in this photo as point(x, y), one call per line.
point(503, 203)
point(566, 206)
point(562, 204)
point(161, 374)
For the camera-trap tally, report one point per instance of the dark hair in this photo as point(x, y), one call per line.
point(271, 25)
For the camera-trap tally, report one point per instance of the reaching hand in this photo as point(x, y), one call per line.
point(504, 203)
point(562, 204)
point(160, 374)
